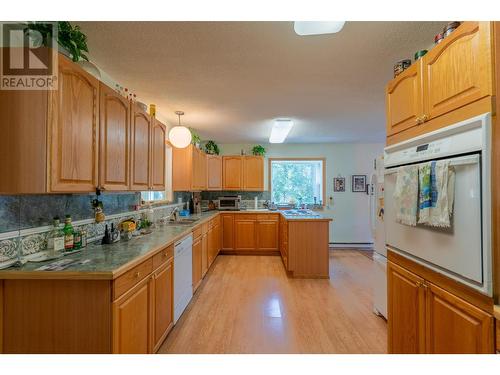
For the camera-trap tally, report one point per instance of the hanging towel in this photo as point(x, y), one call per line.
point(436, 193)
point(406, 195)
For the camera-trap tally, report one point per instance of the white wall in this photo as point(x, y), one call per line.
point(350, 211)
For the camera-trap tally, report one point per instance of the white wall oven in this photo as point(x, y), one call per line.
point(461, 251)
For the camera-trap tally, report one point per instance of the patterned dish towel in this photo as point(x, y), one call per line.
point(437, 191)
point(406, 195)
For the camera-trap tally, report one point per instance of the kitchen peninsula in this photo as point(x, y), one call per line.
point(119, 298)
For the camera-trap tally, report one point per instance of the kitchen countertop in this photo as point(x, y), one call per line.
point(107, 262)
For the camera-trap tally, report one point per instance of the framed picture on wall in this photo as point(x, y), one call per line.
point(358, 183)
point(339, 184)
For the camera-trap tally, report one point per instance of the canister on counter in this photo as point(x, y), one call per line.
point(450, 27)
point(401, 66)
point(420, 53)
point(438, 38)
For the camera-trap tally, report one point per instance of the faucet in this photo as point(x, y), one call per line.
point(174, 214)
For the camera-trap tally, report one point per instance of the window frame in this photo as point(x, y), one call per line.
point(323, 172)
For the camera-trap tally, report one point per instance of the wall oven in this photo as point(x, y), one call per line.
point(230, 203)
point(463, 251)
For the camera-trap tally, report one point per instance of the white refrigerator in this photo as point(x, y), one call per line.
point(378, 233)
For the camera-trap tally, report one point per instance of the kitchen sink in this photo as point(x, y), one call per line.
point(183, 222)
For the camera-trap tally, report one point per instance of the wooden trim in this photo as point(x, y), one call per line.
point(249, 252)
point(323, 159)
point(495, 169)
point(466, 293)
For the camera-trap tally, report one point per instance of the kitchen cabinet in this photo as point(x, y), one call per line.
point(451, 83)
point(406, 311)
point(114, 140)
point(404, 102)
point(253, 173)
point(214, 172)
point(163, 303)
point(74, 125)
point(283, 240)
point(232, 174)
point(189, 171)
point(245, 232)
point(132, 319)
point(204, 249)
point(197, 262)
point(140, 145)
point(210, 246)
point(227, 223)
point(267, 232)
point(158, 156)
point(424, 317)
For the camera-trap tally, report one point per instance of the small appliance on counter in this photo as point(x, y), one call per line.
point(230, 203)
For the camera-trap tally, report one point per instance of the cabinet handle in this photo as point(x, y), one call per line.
point(137, 274)
point(424, 118)
point(417, 120)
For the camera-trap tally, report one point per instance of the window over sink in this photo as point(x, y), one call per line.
point(297, 180)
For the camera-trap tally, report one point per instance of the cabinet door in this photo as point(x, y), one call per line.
point(199, 169)
point(140, 150)
point(245, 234)
point(163, 303)
point(283, 241)
point(210, 246)
point(253, 173)
point(204, 254)
point(197, 263)
point(132, 320)
point(74, 119)
point(404, 103)
point(214, 172)
point(217, 239)
point(232, 172)
point(158, 171)
point(182, 168)
point(114, 140)
point(458, 71)
point(406, 311)
point(267, 235)
point(456, 326)
point(227, 231)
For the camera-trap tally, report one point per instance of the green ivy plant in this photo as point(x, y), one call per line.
point(195, 138)
point(258, 150)
point(69, 37)
point(212, 148)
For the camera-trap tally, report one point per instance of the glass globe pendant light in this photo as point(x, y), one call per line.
point(179, 136)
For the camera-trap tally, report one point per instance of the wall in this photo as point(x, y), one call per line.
point(350, 211)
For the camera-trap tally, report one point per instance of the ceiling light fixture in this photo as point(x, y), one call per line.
point(317, 27)
point(179, 136)
point(280, 130)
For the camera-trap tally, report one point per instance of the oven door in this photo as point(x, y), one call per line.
point(456, 251)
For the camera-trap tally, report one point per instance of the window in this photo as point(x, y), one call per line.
point(297, 180)
point(167, 195)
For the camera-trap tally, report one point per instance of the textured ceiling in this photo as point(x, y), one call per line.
point(233, 78)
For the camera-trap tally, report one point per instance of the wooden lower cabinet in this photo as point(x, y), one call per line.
point(426, 318)
point(197, 262)
point(132, 319)
point(204, 254)
point(227, 222)
point(267, 234)
point(163, 303)
point(245, 232)
point(406, 311)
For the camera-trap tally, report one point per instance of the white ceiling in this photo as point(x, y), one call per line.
point(233, 78)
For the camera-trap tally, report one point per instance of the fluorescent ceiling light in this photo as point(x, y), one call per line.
point(316, 27)
point(280, 130)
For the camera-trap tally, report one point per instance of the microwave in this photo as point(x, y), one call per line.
point(230, 203)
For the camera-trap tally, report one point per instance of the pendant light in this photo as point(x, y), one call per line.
point(179, 135)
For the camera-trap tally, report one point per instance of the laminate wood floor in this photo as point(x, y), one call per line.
point(246, 304)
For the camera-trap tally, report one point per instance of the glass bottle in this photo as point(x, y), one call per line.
point(56, 238)
point(68, 234)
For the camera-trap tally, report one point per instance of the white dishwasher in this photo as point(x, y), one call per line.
point(183, 275)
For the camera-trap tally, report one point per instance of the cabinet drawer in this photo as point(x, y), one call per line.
point(163, 256)
point(130, 278)
point(273, 217)
point(242, 216)
point(197, 232)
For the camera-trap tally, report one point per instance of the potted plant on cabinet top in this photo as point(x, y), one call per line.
point(212, 148)
point(195, 138)
point(258, 150)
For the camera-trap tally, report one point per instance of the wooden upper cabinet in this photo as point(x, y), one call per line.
point(140, 145)
point(158, 161)
point(455, 326)
point(214, 172)
point(189, 169)
point(199, 172)
point(74, 122)
point(404, 103)
point(232, 174)
point(458, 71)
point(114, 140)
point(253, 173)
point(406, 311)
